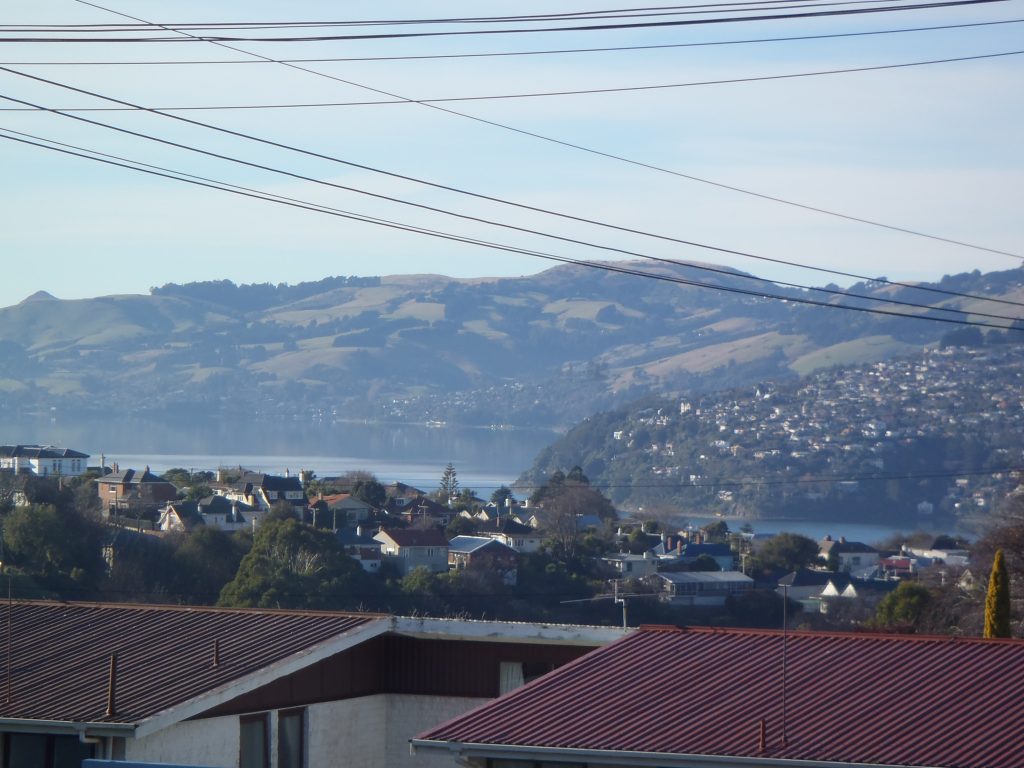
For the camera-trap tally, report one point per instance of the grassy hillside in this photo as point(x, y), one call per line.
point(547, 349)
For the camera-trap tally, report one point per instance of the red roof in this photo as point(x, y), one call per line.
point(850, 698)
point(60, 655)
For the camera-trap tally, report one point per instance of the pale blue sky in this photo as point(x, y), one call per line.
point(934, 148)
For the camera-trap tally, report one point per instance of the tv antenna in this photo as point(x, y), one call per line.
point(617, 597)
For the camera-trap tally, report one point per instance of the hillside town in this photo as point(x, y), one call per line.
point(457, 550)
point(931, 439)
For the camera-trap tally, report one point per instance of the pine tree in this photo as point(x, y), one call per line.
point(997, 601)
point(449, 488)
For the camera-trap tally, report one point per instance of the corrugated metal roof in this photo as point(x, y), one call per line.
point(849, 698)
point(60, 654)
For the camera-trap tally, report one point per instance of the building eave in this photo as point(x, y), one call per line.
point(235, 688)
point(66, 727)
point(505, 632)
point(468, 751)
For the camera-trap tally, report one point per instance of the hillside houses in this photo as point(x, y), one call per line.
point(884, 417)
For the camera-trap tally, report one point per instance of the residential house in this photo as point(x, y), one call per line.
point(418, 509)
point(755, 698)
point(805, 586)
point(410, 548)
point(213, 511)
point(255, 688)
point(522, 538)
point(485, 553)
point(130, 493)
point(361, 547)
point(342, 509)
point(43, 460)
point(851, 556)
point(704, 588)
point(720, 553)
point(629, 566)
point(261, 492)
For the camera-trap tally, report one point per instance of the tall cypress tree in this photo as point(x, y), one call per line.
point(997, 601)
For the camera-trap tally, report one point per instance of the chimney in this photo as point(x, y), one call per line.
point(842, 539)
point(679, 546)
point(359, 530)
point(287, 472)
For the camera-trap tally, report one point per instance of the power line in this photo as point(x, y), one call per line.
point(446, 188)
point(490, 222)
point(462, 33)
point(600, 153)
point(669, 10)
point(604, 266)
point(540, 94)
point(557, 51)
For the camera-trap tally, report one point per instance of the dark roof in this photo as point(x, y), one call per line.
point(269, 482)
point(40, 452)
point(806, 577)
point(509, 527)
point(417, 537)
point(417, 505)
point(211, 505)
point(350, 537)
point(132, 477)
point(468, 545)
point(846, 547)
point(939, 702)
point(711, 550)
point(61, 655)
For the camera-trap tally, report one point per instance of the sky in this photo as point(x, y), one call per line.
point(934, 148)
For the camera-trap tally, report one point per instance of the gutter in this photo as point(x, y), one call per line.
point(84, 731)
point(470, 754)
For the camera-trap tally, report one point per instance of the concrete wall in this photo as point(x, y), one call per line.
point(367, 732)
point(199, 742)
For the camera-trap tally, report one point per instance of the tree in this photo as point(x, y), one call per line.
point(292, 565)
point(370, 491)
point(56, 542)
point(502, 495)
point(997, 601)
point(717, 531)
point(449, 487)
point(787, 551)
point(903, 609)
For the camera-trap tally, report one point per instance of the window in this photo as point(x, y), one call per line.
point(253, 741)
point(291, 738)
point(35, 750)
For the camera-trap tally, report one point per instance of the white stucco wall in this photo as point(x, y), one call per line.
point(211, 742)
point(368, 732)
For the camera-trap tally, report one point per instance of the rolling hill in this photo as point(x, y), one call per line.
point(547, 349)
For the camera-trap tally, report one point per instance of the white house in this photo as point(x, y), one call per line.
point(410, 548)
point(43, 460)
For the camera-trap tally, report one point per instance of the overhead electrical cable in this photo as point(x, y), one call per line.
point(524, 230)
point(665, 238)
point(557, 51)
point(604, 266)
point(665, 10)
point(540, 94)
point(601, 153)
point(462, 33)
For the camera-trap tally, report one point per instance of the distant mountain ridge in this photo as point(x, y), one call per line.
point(547, 349)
